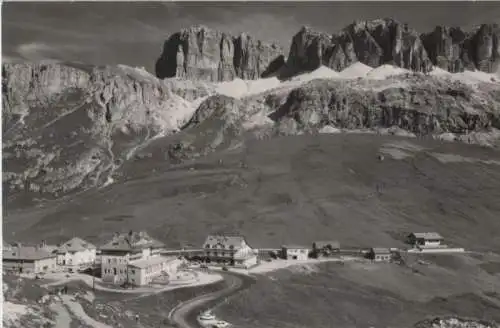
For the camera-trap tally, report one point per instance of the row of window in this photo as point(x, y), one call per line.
point(297, 251)
point(218, 254)
point(114, 271)
point(221, 246)
point(117, 260)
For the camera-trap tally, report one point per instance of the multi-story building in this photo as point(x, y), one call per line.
point(76, 253)
point(143, 272)
point(28, 259)
point(123, 249)
point(229, 249)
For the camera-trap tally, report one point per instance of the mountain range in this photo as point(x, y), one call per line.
point(202, 53)
point(69, 127)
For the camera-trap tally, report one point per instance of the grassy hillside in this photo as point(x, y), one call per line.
point(290, 189)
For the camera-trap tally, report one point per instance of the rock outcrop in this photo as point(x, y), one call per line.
point(486, 48)
point(387, 41)
point(69, 126)
point(418, 104)
point(449, 49)
point(205, 54)
point(371, 42)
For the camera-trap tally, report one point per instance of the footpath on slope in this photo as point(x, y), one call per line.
point(80, 313)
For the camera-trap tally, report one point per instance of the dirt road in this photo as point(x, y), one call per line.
point(185, 314)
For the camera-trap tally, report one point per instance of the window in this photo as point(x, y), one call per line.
point(132, 271)
point(223, 254)
point(207, 246)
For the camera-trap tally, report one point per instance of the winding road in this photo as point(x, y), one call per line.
point(185, 314)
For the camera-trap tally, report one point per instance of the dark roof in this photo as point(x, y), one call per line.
point(75, 245)
point(227, 240)
point(28, 253)
point(130, 242)
point(427, 235)
point(294, 247)
point(322, 244)
point(381, 250)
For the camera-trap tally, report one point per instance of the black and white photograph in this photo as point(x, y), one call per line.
point(243, 164)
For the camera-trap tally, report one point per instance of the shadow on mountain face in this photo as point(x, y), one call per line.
point(166, 64)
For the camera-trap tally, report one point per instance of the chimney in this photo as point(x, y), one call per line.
point(43, 244)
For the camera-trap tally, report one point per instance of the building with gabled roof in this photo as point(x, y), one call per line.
point(76, 253)
point(28, 259)
point(379, 254)
point(124, 248)
point(229, 249)
point(425, 239)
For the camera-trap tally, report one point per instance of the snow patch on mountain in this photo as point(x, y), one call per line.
point(322, 72)
point(355, 71)
point(239, 88)
point(386, 71)
point(466, 77)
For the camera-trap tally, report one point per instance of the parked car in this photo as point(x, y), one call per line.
point(225, 268)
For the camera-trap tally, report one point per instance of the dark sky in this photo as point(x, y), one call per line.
point(132, 33)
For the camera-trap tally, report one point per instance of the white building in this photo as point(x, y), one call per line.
point(28, 259)
point(143, 272)
point(380, 254)
point(425, 239)
point(123, 249)
point(295, 252)
point(229, 249)
point(76, 253)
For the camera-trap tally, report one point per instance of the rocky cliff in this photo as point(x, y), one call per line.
point(67, 127)
point(385, 41)
point(417, 104)
point(202, 53)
